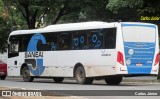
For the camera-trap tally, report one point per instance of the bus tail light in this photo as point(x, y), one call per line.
point(120, 58)
point(156, 60)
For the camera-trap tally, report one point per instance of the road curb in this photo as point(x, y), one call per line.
point(142, 81)
point(139, 80)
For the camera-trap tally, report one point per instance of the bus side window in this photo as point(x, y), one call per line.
point(65, 41)
point(51, 42)
point(80, 40)
point(95, 38)
point(110, 38)
point(42, 47)
point(54, 46)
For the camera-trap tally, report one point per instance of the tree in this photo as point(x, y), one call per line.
point(4, 32)
point(142, 7)
point(61, 11)
point(33, 11)
point(4, 27)
point(96, 11)
point(30, 10)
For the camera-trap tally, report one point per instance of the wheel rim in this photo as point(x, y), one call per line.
point(26, 74)
point(81, 75)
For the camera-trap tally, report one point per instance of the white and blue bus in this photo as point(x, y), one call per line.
point(85, 51)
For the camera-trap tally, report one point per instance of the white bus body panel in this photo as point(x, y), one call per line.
point(155, 68)
point(96, 62)
point(14, 69)
point(61, 63)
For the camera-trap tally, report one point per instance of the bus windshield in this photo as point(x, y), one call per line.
point(139, 33)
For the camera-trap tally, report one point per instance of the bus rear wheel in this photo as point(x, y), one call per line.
point(26, 75)
point(113, 80)
point(58, 79)
point(81, 78)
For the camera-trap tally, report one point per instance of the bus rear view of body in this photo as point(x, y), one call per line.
point(138, 53)
point(85, 51)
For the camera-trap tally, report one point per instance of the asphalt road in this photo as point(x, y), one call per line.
point(68, 84)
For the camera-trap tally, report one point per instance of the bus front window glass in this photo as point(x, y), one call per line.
point(14, 44)
point(14, 47)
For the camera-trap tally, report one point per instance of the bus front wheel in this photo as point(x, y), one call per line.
point(81, 78)
point(26, 75)
point(58, 79)
point(113, 80)
point(3, 77)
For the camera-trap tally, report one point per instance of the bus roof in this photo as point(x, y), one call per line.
point(71, 27)
point(66, 27)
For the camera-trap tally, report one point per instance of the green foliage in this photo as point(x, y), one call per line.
point(115, 5)
point(4, 32)
point(142, 6)
point(64, 11)
point(4, 27)
point(94, 10)
point(34, 12)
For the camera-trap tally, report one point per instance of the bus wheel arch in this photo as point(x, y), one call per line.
point(24, 71)
point(80, 75)
point(23, 65)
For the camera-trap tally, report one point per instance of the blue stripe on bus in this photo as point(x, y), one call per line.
point(32, 46)
point(153, 26)
point(139, 59)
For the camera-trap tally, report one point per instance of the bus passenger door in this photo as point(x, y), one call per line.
point(13, 49)
point(13, 56)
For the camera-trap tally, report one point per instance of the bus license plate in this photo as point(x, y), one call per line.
point(138, 64)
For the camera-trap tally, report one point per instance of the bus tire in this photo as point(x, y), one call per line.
point(113, 80)
point(58, 79)
point(80, 76)
point(3, 77)
point(26, 74)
